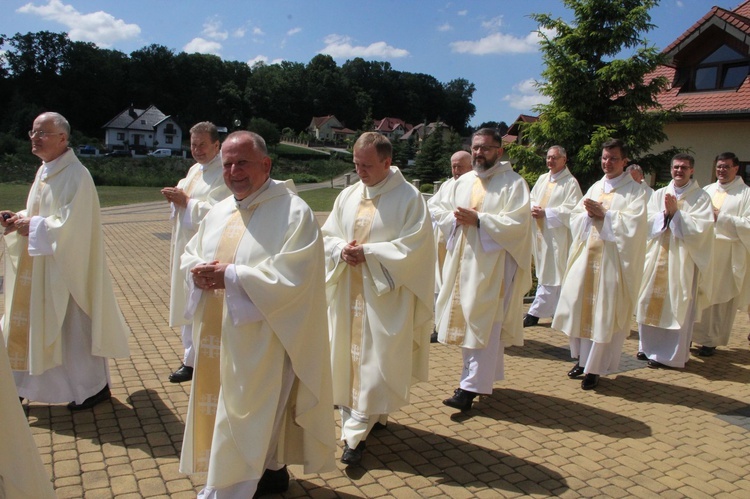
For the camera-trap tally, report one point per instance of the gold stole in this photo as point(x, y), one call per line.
point(193, 181)
point(543, 204)
point(362, 226)
point(207, 379)
point(594, 247)
point(20, 315)
point(661, 279)
point(718, 198)
point(456, 331)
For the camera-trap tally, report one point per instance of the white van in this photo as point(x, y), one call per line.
point(161, 153)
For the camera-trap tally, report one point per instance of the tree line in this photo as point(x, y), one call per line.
point(90, 85)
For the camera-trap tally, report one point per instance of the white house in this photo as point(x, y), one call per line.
point(142, 129)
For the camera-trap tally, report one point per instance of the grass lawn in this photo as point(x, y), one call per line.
point(320, 199)
point(13, 196)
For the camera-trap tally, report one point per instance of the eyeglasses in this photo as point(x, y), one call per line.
point(554, 158)
point(41, 135)
point(724, 167)
point(483, 148)
point(612, 159)
point(682, 167)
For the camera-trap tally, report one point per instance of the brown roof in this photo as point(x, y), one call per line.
point(720, 101)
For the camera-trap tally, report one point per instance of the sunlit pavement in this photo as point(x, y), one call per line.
point(642, 433)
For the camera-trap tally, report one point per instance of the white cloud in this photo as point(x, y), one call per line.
point(445, 27)
point(260, 58)
point(239, 32)
point(680, 4)
point(258, 32)
point(97, 27)
point(526, 96)
point(212, 29)
point(293, 31)
point(202, 46)
point(498, 43)
point(340, 47)
point(277, 61)
point(493, 24)
point(462, 12)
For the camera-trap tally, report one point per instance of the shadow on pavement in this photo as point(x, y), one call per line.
point(147, 424)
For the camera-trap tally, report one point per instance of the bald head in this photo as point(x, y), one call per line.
point(460, 163)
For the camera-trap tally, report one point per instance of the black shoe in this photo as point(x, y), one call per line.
point(530, 320)
point(184, 373)
point(273, 482)
point(93, 400)
point(379, 426)
point(460, 400)
point(590, 381)
point(641, 356)
point(352, 457)
point(656, 365)
point(705, 351)
point(433, 337)
point(20, 399)
point(575, 372)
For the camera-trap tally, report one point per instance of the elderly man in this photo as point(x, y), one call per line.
point(202, 187)
point(487, 268)
point(604, 269)
point(678, 259)
point(62, 321)
point(637, 173)
point(460, 164)
point(553, 197)
point(730, 198)
point(261, 394)
point(380, 267)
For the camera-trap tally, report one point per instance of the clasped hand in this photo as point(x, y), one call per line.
point(353, 254)
point(13, 222)
point(594, 208)
point(209, 275)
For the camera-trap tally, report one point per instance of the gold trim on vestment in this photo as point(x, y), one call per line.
point(595, 250)
point(358, 310)
point(718, 198)
point(207, 373)
point(20, 313)
point(661, 282)
point(543, 204)
point(456, 330)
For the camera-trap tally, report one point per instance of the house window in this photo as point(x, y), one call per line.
point(120, 136)
point(724, 68)
point(168, 139)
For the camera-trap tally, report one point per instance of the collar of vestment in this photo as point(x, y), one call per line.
point(214, 163)
point(499, 167)
point(610, 184)
point(57, 165)
point(393, 180)
point(269, 190)
point(685, 189)
point(737, 182)
point(554, 177)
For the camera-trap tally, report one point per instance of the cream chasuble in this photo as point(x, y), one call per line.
point(551, 240)
point(77, 269)
point(475, 262)
point(672, 262)
point(278, 257)
point(205, 186)
point(605, 267)
point(380, 332)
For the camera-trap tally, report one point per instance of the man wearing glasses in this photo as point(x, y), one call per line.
point(731, 280)
point(553, 198)
point(605, 267)
point(62, 321)
point(678, 259)
point(487, 267)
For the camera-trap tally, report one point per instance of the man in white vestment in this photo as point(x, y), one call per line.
point(553, 197)
point(194, 195)
point(730, 198)
point(460, 164)
point(679, 253)
point(604, 268)
point(62, 321)
point(637, 173)
point(261, 392)
point(22, 474)
point(487, 269)
point(380, 271)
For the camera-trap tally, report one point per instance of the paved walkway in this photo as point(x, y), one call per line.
point(642, 433)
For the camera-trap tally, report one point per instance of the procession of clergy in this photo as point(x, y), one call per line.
point(282, 320)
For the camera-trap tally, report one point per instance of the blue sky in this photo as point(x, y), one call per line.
point(491, 43)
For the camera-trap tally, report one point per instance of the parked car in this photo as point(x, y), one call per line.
point(88, 150)
point(119, 153)
point(161, 153)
